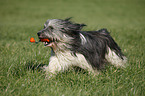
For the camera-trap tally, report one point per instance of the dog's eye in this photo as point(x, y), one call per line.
point(51, 28)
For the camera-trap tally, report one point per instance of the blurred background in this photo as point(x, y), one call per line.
point(95, 13)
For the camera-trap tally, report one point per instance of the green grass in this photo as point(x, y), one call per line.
point(20, 61)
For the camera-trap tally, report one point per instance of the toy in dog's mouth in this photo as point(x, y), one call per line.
point(47, 42)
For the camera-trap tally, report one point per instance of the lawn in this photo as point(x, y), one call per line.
point(21, 61)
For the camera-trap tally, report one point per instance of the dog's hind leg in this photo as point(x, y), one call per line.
point(114, 59)
point(113, 51)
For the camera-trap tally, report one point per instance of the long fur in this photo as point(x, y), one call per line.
point(89, 50)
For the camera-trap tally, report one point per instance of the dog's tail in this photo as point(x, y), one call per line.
point(113, 52)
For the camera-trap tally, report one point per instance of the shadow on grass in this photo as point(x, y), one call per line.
point(39, 67)
point(34, 66)
point(21, 70)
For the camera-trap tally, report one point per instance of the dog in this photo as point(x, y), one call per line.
point(89, 50)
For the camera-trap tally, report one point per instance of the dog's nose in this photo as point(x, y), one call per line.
point(38, 33)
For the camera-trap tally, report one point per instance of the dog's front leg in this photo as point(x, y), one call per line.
point(53, 68)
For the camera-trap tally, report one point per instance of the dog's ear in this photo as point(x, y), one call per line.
point(75, 27)
point(67, 19)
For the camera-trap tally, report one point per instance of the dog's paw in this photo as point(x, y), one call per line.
point(44, 68)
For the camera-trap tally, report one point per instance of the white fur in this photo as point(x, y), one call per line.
point(63, 60)
point(83, 39)
point(113, 58)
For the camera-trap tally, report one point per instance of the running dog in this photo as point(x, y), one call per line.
point(89, 50)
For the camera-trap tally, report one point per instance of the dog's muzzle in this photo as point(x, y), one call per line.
point(42, 36)
point(39, 33)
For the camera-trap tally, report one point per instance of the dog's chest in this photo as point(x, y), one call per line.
point(67, 59)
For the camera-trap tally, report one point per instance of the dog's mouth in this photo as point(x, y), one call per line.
point(47, 41)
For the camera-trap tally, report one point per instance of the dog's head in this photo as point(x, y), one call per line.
point(61, 33)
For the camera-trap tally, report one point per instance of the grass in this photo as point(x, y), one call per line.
point(20, 61)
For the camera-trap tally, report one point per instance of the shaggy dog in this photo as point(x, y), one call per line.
point(89, 50)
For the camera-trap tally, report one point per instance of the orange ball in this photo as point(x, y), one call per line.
point(44, 40)
point(32, 40)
